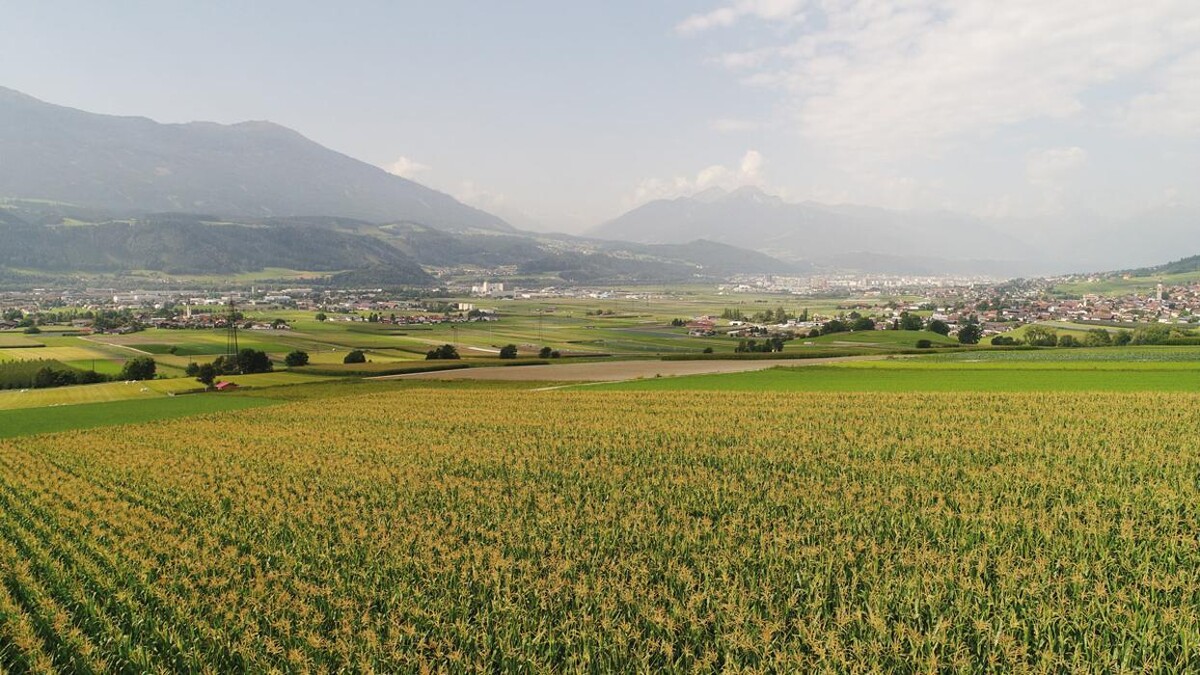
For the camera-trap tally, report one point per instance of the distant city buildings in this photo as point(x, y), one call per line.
point(488, 288)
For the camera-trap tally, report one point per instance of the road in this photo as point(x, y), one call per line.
point(617, 371)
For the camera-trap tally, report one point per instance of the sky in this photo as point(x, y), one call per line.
point(561, 115)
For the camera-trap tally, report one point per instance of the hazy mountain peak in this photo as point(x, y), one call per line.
point(256, 169)
point(750, 218)
point(711, 194)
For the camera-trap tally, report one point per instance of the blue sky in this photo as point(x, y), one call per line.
point(564, 114)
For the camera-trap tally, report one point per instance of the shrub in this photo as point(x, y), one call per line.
point(140, 368)
point(296, 359)
point(443, 352)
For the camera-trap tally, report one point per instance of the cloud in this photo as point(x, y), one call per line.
point(772, 10)
point(751, 166)
point(1173, 107)
point(1047, 168)
point(910, 77)
point(746, 172)
point(1052, 173)
point(406, 168)
point(470, 193)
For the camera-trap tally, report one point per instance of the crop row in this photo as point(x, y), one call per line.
point(548, 531)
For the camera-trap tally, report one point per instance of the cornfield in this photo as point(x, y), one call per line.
point(458, 530)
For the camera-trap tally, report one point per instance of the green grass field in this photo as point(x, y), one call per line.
point(1117, 285)
point(51, 419)
point(134, 391)
point(1138, 354)
point(9, 340)
point(879, 339)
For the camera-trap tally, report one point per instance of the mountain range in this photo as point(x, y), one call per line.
point(839, 237)
point(82, 192)
point(157, 195)
point(249, 170)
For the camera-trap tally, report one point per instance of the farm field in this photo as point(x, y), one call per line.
point(645, 531)
point(1138, 354)
point(133, 391)
point(16, 340)
point(603, 371)
point(909, 376)
point(26, 422)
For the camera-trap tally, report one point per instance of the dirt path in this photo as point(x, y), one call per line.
point(616, 371)
point(113, 345)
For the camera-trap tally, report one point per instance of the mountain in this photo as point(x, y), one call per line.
point(663, 263)
point(1186, 265)
point(716, 259)
point(189, 245)
point(750, 218)
point(98, 193)
point(133, 165)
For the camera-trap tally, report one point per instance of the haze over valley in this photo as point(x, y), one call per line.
point(66, 166)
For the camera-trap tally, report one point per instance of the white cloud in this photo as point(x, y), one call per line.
point(751, 166)
point(1173, 108)
point(746, 172)
point(470, 193)
point(1047, 168)
point(771, 10)
point(1053, 173)
point(908, 77)
point(406, 168)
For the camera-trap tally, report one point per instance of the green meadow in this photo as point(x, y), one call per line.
point(23, 422)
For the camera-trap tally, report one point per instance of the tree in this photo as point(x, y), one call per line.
point(139, 368)
point(834, 326)
point(206, 374)
point(910, 322)
point(1122, 338)
point(356, 356)
point(443, 352)
point(296, 359)
point(1040, 336)
point(924, 344)
point(970, 334)
point(44, 378)
point(940, 327)
point(253, 361)
point(1097, 337)
point(508, 352)
point(1154, 334)
point(545, 353)
point(192, 369)
point(320, 316)
point(863, 323)
point(1068, 341)
point(1003, 340)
